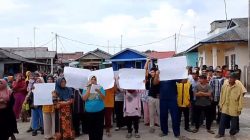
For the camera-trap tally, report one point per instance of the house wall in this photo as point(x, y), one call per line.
point(220, 56)
point(127, 64)
point(192, 58)
point(208, 55)
point(242, 57)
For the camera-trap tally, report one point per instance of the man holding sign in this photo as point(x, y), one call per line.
point(153, 92)
point(171, 69)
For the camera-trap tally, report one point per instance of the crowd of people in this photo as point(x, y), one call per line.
point(208, 94)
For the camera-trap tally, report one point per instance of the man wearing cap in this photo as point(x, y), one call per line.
point(231, 103)
point(203, 93)
point(216, 83)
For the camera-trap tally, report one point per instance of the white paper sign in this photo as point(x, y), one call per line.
point(43, 93)
point(93, 88)
point(75, 77)
point(105, 77)
point(173, 68)
point(132, 79)
point(78, 78)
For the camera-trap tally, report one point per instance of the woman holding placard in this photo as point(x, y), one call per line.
point(94, 95)
point(49, 116)
point(63, 117)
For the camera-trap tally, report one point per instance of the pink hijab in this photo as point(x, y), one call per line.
point(4, 91)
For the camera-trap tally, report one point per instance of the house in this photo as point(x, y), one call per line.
point(11, 63)
point(160, 55)
point(128, 58)
point(97, 59)
point(67, 59)
point(192, 57)
point(155, 55)
point(226, 46)
point(38, 54)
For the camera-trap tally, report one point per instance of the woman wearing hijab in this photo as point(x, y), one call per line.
point(8, 125)
point(94, 95)
point(19, 90)
point(63, 117)
point(49, 116)
point(36, 112)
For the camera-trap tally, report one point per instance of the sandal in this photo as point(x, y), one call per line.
point(137, 135)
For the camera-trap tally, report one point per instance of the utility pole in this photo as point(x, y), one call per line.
point(56, 41)
point(34, 29)
point(225, 4)
point(194, 35)
point(248, 69)
point(18, 41)
point(108, 46)
point(175, 49)
point(121, 42)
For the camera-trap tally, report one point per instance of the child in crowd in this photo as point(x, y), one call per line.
point(132, 111)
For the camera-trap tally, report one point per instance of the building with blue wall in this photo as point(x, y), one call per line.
point(192, 58)
point(128, 58)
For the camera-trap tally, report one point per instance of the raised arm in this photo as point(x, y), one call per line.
point(157, 78)
point(146, 67)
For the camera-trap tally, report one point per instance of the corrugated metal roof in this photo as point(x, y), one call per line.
point(7, 54)
point(32, 53)
point(237, 31)
point(161, 55)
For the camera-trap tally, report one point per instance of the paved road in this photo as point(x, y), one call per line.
point(201, 135)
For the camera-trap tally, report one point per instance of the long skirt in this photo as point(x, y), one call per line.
point(64, 126)
point(19, 99)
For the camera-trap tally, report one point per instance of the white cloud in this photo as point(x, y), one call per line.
point(10, 6)
point(98, 22)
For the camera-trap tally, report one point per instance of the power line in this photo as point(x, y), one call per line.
point(46, 43)
point(89, 44)
point(62, 45)
point(151, 42)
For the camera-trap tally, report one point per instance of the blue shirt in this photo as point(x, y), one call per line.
point(94, 103)
point(168, 90)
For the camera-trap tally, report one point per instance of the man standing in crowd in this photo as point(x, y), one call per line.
point(153, 93)
point(237, 72)
point(216, 83)
point(194, 81)
point(231, 103)
point(185, 91)
point(168, 103)
point(203, 93)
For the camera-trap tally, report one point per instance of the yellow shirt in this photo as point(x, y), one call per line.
point(231, 99)
point(48, 108)
point(109, 100)
point(237, 82)
point(183, 97)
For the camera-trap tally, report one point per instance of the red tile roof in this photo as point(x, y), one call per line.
point(161, 55)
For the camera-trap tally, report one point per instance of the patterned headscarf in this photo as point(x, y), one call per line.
point(4, 91)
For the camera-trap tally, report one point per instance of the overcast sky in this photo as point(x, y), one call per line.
point(97, 21)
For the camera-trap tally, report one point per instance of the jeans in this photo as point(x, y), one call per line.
point(185, 111)
point(198, 111)
point(223, 122)
point(165, 107)
point(120, 122)
point(37, 118)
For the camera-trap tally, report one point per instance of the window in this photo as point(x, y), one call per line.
point(232, 61)
point(138, 65)
point(227, 61)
